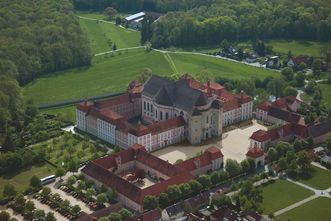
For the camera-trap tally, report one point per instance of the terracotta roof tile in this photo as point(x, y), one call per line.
point(255, 152)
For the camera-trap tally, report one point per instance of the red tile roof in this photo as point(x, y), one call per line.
point(282, 131)
point(255, 152)
point(203, 160)
point(301, 59)
point(230, 101)
point(264, 106)
point(101, 170)
point(152, 215)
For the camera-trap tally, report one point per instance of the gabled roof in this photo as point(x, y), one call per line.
point(284, 115)
point(320, 129)
point(203, 160)
point(152, 215)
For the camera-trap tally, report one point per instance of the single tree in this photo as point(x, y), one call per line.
point(50, 217)
point(35, 182)
point(233, 167)
point(110, 13)
point(102, 198)
point(272, 154)
point(126, 214)
point(9, 191)
point(59, 172)
point(150, 202)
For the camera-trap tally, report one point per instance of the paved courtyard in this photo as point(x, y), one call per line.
point(234, 145)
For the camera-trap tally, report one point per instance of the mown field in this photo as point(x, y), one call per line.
point(103, 35)
point(281, 194)
point(317, 210)
point(112, 74)
point(314, 49)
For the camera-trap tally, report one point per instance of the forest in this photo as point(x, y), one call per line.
point(41, 36)
point(140, 5)
point(241, 20)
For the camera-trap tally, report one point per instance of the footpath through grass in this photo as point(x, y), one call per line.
point(21, 179)
point(112, 74)
point(103, 35)
point(315, 210)
point(320, 179)
point(281, 194)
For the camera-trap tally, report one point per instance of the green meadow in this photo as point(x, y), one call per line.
point(112, 73)
point(103, 35)
point(315, 49)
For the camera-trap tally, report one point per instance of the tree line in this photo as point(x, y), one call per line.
point(140, 5)
point(244, 20)
point(41, 36)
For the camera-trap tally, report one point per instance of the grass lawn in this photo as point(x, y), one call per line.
point(21, 179)
point(68, 112)
point(281, 194)
point(62, 149)
point(299, 47)
point(112, 74)
point(321, 179)
point(217, 67)
point(317, 210)
point(102, 35)
point(326, 93)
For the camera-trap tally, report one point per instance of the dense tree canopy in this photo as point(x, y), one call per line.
point(139, 5)
point(40, 36)
point(245, 20)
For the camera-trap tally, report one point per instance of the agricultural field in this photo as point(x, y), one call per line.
point(314, 49)
point(110, 74)
point(21, 180)
point(103, 35)
point(290, 193)
point(68, 147)
point(317, 210)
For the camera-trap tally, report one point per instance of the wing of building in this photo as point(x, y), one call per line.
point(163, 112)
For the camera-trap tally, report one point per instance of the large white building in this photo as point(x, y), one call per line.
point(163, 112)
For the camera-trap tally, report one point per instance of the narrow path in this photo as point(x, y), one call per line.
point(122, 49)
point(317, 193)
point(170, 62)
point(286, 209)
point(207, 55)
point(105, 21)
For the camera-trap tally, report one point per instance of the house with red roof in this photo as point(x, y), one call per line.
point(289, 132)
point(281, 111)
point(210, 160)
